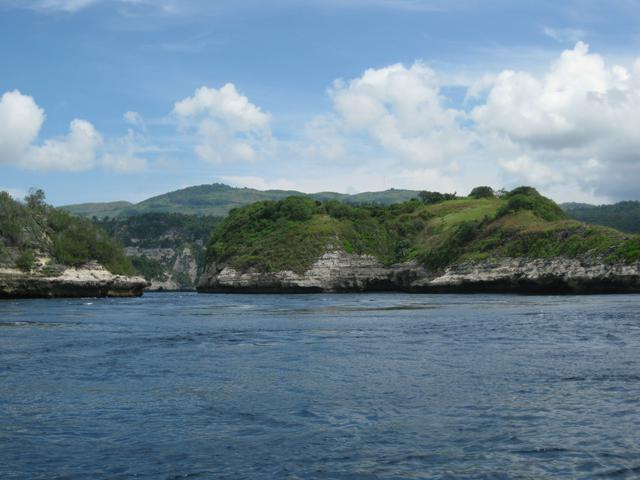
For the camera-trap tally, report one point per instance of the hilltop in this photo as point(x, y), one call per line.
point(428, 236)
point(218, 200)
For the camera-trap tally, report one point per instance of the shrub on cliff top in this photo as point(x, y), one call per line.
point(482, 192)
point(528, 198)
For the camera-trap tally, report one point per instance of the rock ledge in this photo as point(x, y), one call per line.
point(337, 271)
point(91, 280)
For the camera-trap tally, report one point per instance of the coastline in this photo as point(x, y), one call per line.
point(91, 280)
point(338, 271)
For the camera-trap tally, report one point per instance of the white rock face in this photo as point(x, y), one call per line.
point(338, 271)
point(178, 262)
point(91, 280)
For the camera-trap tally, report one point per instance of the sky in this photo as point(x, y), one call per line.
point(104, 100)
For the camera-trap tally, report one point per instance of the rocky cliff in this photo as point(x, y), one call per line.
point(337, 271)
point(90, 280)
point(179, 266)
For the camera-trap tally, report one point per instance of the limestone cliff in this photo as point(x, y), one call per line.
point(180, 266)
point(337, 271)
point(90, 280)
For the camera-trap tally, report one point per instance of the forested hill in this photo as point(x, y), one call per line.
point(624, 216)
point(218, 199)
point(35, 236)
point(436, 230)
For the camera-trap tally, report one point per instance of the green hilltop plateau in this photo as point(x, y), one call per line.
point(434, 232)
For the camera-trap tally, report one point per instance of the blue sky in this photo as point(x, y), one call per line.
point(124, 99)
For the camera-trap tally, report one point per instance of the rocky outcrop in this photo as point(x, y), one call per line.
point(180, 264)
point(91, 280)
point(337, 271)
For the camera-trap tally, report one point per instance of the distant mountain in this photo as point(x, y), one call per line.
point(107, 209)
point(218, 199)
point(623, 216)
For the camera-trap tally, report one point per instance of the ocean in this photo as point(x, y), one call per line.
point(345, 386)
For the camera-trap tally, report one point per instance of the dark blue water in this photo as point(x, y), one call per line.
point(383, 386)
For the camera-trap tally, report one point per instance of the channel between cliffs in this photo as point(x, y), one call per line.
point(338, 271)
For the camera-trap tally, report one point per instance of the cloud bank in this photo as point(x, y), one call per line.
point(573, 131)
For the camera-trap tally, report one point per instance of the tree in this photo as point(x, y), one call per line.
point(431, 198)
point(482, 192)
point(35, 199)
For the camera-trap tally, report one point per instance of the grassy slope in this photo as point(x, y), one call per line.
point(217, 200)
point(292, 234)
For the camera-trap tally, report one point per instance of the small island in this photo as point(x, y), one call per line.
point(517, 241)
point(47, 253)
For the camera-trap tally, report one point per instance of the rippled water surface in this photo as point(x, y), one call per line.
point(381, 386)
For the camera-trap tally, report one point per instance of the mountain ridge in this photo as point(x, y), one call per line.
point(218, 200)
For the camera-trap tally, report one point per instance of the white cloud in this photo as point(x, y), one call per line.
point(402, 112)
point(82, 148)
point(74, 152)
point(135, 119)
point(228, 127)
point(20, 122)
point(581, 110)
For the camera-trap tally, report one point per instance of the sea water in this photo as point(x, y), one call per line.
point(362, 386)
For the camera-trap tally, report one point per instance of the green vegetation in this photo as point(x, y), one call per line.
point(482, 192)
point(441, 229)
point(25, 261)
point(149, 268)
point(159, 230)
point(34, 229)
point(217, 200)
point(431, 198)
point(623, 216)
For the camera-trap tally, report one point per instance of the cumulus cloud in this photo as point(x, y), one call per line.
point(74, 152)
point(402, 111)
point(580, 117)
point(82, 148)
point(229, 128)
point(20, 122)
